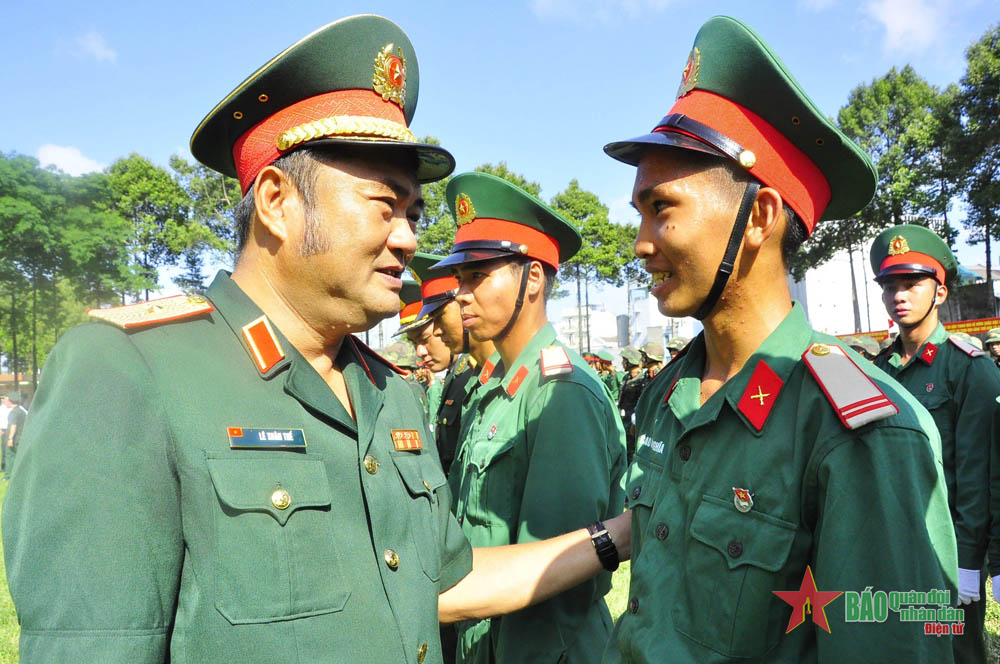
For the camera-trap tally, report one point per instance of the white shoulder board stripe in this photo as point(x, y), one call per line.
point(855, 398)
point(554, 360)
point(966, 347)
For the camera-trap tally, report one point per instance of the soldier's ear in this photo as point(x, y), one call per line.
point(941, 295)
point(275, 199)
point(765, 219)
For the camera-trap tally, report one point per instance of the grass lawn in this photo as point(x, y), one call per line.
point(616, 599)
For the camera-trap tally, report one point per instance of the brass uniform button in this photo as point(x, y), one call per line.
point(391, 558)
point(421, 653)
point(427, 485)
point(281, 499)
point(371, 464)
point(820, 350)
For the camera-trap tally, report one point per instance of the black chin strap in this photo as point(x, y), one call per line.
point(924, 317)
point(465, 340)
point(729, 259)
point(517, 306)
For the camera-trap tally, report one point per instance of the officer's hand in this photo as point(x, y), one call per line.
point(968, 586)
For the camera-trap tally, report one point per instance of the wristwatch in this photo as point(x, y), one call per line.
point(607, 552)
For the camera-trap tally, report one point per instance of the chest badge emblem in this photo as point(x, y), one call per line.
point(743, 500)
point(492, 432)
point(930, 387)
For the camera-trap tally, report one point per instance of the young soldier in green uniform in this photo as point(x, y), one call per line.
point(764, 451)
point(676, 345)
point(237, 478)
point(993, 345)
point(612, 379)
point(541, 447)
point(652, 358)
point(955, 381)
point(632, 387)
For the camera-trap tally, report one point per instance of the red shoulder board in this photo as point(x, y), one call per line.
point(153, 312)
point(966, 347)
point(854, 396)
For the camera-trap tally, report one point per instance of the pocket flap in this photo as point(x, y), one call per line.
point(250, 484)
point(640, 488)
point(761, 540)
point(421, 476)
point(485, 454)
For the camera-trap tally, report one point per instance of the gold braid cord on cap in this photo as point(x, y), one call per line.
point(345, 125)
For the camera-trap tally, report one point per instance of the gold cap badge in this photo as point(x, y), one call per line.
point(390, 75)
point(898, 245)
point(464, 210)
point(690, 76)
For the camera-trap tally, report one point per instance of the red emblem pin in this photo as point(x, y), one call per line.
point(930, 387)
point(743, 499)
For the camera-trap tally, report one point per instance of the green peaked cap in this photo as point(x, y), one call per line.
point(605, 355)
point(905, 249)
point(409, 294)
point(438, 288)
point(351, 58)
point(497, 218)
point(734, 64)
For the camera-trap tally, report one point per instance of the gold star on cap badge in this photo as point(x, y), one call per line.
point(390, 75)
point(464, 210)
point(898, 245)
point(689, 78)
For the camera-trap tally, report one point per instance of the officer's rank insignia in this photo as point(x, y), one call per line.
point(856, 399)
point(555, 360)
point(898, 245)
point(390, 75)
point(162, 310)
point(760, 395)
point(929, 387)
point(406, 440)
point(689, 78)
point(241, 438)
point(464, 210)
point(263, 344)
point(743, 500)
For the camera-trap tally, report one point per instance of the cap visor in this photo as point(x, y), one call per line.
point(472, 256)
point(431, 307)
point(433, 162)
point(630, 151)
point(906, 268)
point(419, 322)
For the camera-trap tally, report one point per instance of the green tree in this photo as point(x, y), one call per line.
point(602, 255)
point(436, 228)
point(977, 146)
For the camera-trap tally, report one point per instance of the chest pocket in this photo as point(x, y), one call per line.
point(494, 482)
point(730, 570)
point(643, 478)
point(423, 479)
point(276, 553)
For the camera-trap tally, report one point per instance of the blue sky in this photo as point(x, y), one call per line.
point(540, 84)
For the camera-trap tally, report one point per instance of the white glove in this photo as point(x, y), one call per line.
point(968, 586)
point(996, 588)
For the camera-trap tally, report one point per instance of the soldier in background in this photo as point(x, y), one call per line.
point(634, 382)
point(611, 378)
point(652, 358)
point(676, 345)
point(993, 344)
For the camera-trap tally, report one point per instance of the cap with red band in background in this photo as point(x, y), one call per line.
point(409, 307)
point(909, 249)
point(737, 101)
point(497, 218)
point(437, 288)
point(352, 82)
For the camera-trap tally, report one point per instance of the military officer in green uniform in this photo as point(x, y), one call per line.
point(237, 478)
point(767, 459)
point(634, 383)
point(541, 447)
point(955, 381)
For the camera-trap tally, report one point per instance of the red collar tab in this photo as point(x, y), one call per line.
point(670, 390)
point(929, 353)
point(761, 394)
point(265, 349)
point(516, 381)
point(487, 371)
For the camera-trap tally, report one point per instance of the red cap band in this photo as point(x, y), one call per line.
point(540, 246)
point(438, 285)
point(258, 146)
point(911, 257)
point(409, 312)
point(779, 164)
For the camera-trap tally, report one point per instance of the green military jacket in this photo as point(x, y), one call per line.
point(960, 392)
point(137, 531)
point(732, 499)
point(448, 420)
point(613, 380)
point(542, 454)
point(434, 392)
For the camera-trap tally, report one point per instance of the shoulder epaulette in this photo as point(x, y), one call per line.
point(854, 396)
point(554, 360)
point(363, 349)
point(152, 312)
point(966, 347)
point(462, 364)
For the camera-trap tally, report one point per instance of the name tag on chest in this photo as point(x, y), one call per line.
point(241, 438)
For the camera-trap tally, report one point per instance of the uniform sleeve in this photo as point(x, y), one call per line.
point(883, 521)
point(994, 546)
point(91, 522)
point(977, 406)
point(576, 459)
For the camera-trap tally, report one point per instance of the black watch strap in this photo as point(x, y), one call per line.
point(607, 552)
